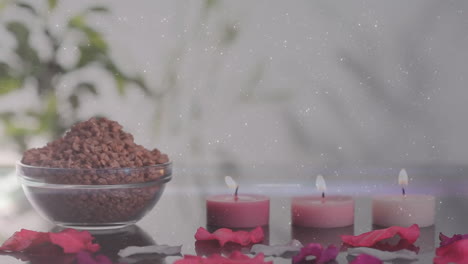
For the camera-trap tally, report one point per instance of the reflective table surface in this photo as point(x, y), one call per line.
point(181, 210)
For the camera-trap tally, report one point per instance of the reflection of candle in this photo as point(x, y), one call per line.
point(322, 211)
point(238, 210)
point(405, 209)
point(324, 236)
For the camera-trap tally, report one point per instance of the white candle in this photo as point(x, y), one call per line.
point(403, 209)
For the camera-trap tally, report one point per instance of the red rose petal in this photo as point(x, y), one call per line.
point(456, 252)
point(225, 235)
point(369, 239)
point(445, 240)
point(366, 259)
point(235, 258)
point(73, 241)
point(321, 255)
point(42, 243)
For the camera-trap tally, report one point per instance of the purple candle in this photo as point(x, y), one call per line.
point(237, 210)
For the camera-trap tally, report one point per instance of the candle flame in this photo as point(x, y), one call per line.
point(230, 182)
point(403, 178)
point(320, 183)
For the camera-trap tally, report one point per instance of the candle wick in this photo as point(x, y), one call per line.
point(323, 195)
point(235, 193)
point(403, 191)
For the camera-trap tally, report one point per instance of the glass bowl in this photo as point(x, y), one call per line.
point(110, 198)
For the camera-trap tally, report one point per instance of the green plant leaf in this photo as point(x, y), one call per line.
point(77, 22)
point(95, 38)
point(19, 30)
point(229, 35)
point(74, 101)
point(7, 116)
point(86, 87)
point(210, 3)
point(8, 81)
point(119, 77)
point(49, 116)
point(28, 7)
point(88, 54)
point(23, 49)
point(9, 84)
point(52, 4)
point(120, 82)
point(98, 9)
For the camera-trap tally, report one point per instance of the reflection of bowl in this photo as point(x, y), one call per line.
point(114, 240)
point(113, 197)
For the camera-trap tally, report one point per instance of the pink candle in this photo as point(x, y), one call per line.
point(327, 212)
point(403, 209)
point(324, 211)
point(241, 211)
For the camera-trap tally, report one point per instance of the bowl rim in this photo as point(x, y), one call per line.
point(162, 165)
point(38, 183)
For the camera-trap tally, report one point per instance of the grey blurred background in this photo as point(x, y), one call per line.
point(314, 84)
point(273, 91)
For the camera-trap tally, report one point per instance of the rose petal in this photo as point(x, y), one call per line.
point(23, 240)
point(366, 259)
point(445, 240)
point(41, 259)
point(321, 255)
point(42, 243)
point(225, 235)
point(154, 249)
point(277, 250)
point(84, 257)
point(402, 244)
point(383, 255)
point(235, 258)
point(369, 239)
point(73, 241)
point(455, 252)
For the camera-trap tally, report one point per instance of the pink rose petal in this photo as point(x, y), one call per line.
point(366, 259)
point(369, 239)
point(235, 258)
point(43, 243)
point(225, 235)
point(402, 244)
point(455, 252)
point(73, 241)
point(24, 239)
point(321, 255)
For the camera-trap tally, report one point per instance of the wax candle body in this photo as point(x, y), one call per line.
point(402, 210)
point(328, 212)
point(248, 210)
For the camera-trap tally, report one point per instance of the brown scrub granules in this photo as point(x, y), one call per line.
point(95, 144)
point(96, 152)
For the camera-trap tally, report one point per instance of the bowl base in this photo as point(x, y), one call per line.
point(93, 226)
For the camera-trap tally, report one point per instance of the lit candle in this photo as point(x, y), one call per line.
point(237, 210)
point(322, 211)
point(405, 209)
